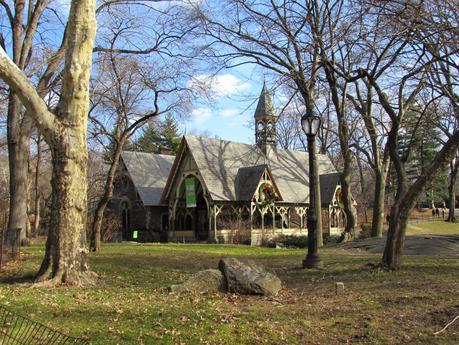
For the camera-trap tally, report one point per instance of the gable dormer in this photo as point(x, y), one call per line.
point(256, 184)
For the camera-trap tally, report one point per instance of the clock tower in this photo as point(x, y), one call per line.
point(265, 122)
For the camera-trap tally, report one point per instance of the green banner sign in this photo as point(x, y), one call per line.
point(190, 192)
point(135, 234)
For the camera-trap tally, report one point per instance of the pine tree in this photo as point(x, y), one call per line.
point(150, 139)
point(170, 134)
point(159, 135)
point(418, 145)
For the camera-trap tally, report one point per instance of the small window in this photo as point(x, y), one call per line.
point(125, 216)
point(260, 126)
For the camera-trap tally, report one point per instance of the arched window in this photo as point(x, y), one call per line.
point(125, 215)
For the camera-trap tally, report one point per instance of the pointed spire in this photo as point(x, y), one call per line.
point(265, 104)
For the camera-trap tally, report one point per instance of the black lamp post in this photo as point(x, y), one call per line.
point(311, 124)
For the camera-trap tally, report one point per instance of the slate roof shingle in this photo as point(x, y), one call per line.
point(219, 162)
point(328, 183)
point(149, 173)
point(247, 180)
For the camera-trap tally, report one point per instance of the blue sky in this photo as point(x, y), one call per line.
point(229, 113)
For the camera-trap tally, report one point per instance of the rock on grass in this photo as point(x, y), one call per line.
point(204, 281)
point(248, 278)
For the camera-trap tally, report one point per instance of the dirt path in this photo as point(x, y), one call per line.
point(414, 245)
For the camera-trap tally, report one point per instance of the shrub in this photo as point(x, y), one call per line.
point(292, 241)
point(330, 239)
point(111, 228)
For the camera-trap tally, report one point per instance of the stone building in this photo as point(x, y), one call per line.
point(139, 184)
point(222, 191)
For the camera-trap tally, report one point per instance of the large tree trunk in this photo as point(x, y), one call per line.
point(108, 192)
point(454, 167)
point(18, 152)
point(405, 198)
point(396, 234)
point(378, 204)
point(348, 202)
point(65, 132)
point(343, 135)
point(66, 251)
point(37, 200)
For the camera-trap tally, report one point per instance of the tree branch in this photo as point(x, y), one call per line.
point(35, 105)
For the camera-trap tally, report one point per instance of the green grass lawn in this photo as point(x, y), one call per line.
point(434, 228)
point(131, 305)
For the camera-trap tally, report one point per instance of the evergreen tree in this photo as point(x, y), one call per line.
point(170, 134)
point(150, 139)
point(159, 135)
point(418, 145)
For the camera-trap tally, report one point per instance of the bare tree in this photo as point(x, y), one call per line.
point(277, 36)
point(120, 103)
point(421, 59)
point(21, 26)
point(131, 87)
point(448, 125)
point(64, 129)
point(24, 19)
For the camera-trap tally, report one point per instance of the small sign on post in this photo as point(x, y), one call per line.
point(190, 192)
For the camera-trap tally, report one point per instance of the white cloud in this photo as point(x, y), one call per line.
point(230, 113)
point(200, 115)
point(219, 86)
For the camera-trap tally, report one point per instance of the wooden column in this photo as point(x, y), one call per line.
point(251, 217)
point(214, 213)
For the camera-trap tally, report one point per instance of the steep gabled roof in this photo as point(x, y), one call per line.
point(219, 161)
point(328, 183)
point(248, 180)
point(149, 173)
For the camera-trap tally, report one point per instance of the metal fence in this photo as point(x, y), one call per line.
point(19, 330)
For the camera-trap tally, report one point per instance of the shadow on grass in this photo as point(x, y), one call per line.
point(27, 278)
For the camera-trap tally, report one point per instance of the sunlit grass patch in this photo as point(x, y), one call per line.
point(131, 305)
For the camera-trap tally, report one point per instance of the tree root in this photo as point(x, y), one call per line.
point(379, 267)
point(86, 278)
point(346, 237)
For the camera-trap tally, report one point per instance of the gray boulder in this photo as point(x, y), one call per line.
point(203, 281)
point(248, 278)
